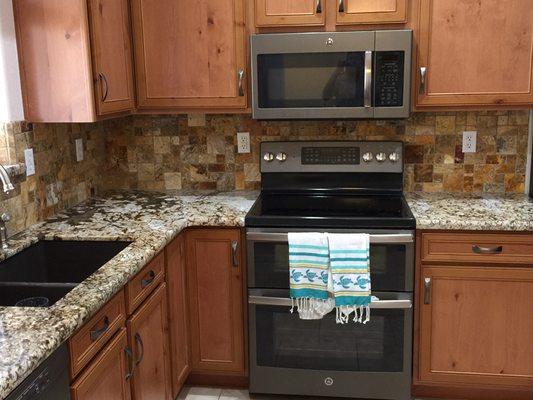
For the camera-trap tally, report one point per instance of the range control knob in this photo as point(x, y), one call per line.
point(268, 157)
point(281, 157)
point(381, 157)
point(394, 157)
point(368, 156)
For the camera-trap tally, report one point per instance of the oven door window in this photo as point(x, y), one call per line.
point(283, 340)
point(307, 80)
point(270, 266)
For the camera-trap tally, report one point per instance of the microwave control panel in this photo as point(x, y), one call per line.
point(389, 68)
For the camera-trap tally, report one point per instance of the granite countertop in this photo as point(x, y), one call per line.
point(151, 220)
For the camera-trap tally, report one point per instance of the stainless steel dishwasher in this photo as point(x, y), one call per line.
point(50, 381)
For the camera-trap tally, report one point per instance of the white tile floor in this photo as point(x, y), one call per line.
point(208, 393)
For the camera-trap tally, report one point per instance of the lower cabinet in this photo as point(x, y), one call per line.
point(216, 292)
point(148, 337)
point(475, 318)
point(107, 377)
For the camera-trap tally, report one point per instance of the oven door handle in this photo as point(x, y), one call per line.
point(282, 301)
point(376, 239)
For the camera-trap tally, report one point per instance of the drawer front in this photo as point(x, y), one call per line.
point(484, 248)
point(95, 333)
point(145, 282)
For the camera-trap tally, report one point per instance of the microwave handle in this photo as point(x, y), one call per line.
point(393, 238)
point(368, 79)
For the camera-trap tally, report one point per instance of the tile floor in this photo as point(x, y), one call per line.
point(209, 393)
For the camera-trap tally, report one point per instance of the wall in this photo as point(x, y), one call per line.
point(145, 152)
point(60, 181)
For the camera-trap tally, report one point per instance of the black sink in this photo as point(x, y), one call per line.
point(51, 269)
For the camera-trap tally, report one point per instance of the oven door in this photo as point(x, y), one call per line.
point(320, 357)
point(391, 259)
point(312, 75)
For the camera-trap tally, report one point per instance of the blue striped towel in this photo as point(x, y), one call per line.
point(309, 274)
point(350, 270)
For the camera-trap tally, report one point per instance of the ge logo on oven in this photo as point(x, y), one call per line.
point(328, 381)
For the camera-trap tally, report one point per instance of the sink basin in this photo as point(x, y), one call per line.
point(51, 269)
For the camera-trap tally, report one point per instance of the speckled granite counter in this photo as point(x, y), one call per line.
point(151, 220)
point(471, 212)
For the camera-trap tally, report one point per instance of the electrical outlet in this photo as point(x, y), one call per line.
point(243, 142)
point(29, 161)
point(469, 141)
point(79, 150)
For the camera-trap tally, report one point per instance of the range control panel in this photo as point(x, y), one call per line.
point(346, 156)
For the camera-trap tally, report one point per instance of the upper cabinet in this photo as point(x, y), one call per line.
point(371, 11)
point(58, 40)
point(190, 54)
point(474, 53)
point(289, 13)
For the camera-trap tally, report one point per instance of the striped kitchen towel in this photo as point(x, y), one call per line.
point(350, 270)
point(309, 266)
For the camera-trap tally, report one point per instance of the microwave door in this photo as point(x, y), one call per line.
point(392, 74)
point(315, 75)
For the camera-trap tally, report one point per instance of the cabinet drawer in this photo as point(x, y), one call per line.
point(477, 248)
point(94, 334)
point(145, 282)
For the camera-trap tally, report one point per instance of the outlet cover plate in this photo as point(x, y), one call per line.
point(469, 141)
point(79, 150)
point(29, 161)
point(243, 142)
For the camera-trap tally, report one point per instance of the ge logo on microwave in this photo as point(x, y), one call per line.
point(328, 381)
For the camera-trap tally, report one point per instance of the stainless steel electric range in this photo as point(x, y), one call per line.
point(331, 187)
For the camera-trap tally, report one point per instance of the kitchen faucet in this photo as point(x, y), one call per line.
point(6, 182)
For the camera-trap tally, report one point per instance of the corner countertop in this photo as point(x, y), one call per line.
point(151, 220)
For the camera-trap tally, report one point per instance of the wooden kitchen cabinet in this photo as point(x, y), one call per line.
point(215, 291)
point(270, 13)
point(148, 337)
point(178, 313)
point(473, 325)
point(75, 59)
point(350, 12)
point(190, 55)
point(107, 376)
point(474, 53)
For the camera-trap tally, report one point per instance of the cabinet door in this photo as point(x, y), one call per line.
point(178, 315)
point(289, 12)
point(477, 53)
point(107, 376)
point(476, 326)
point(371, 11)
point(190, 54)
point(216, 300)
point(112, 57)
point(148, 336)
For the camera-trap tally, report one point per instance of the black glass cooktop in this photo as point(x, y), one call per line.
point(331, 211)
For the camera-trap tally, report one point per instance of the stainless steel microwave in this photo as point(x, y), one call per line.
point(361, 74)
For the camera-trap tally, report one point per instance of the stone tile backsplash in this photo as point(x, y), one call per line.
point(145, 152)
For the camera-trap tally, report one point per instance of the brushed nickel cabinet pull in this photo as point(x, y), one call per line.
point(240, 77)
point(341, 6)
point(140, 343)
point(422, 89)
point(487, 250)
point(131, 363)
point(318, 8)
point(105, 86)
point(96, 333)
point(427, 290)
point(234, 247)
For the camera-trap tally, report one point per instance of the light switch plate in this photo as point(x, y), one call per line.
point(79, 150)
point(243, 142)
point(469, 141)
point(29, 161)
